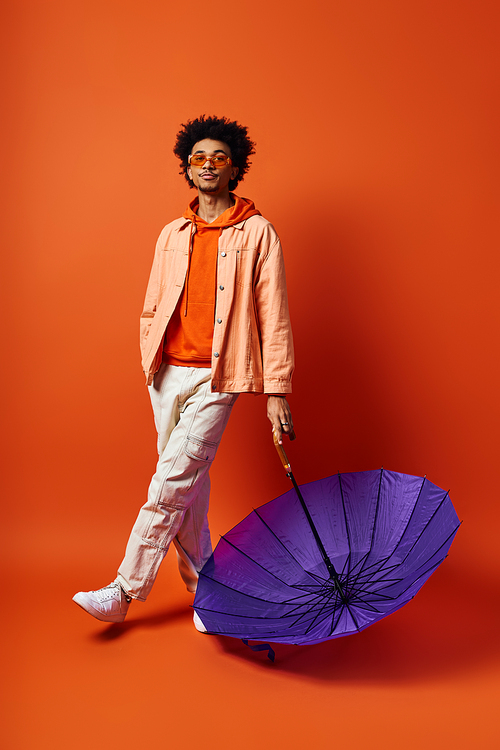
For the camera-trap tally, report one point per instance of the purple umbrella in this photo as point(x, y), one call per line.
point(326, 559)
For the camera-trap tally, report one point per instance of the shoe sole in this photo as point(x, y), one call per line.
point(95, 613)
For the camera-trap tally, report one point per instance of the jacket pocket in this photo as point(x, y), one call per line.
point(245, 258)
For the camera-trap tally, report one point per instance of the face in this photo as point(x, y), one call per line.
point(208, 179)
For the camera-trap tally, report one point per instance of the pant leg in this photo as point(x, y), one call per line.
point(190, 420)
point(192, 542)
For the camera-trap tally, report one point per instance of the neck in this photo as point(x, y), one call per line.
point(212, 206)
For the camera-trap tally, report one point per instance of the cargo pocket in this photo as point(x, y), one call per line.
point(200, 450)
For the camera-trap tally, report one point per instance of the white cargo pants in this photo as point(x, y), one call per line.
point(190, 420)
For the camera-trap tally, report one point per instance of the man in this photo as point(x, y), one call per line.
point(215, 324)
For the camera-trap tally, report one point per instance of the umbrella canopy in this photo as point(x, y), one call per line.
point(326, 559)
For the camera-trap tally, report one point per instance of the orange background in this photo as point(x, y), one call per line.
point(377, 160)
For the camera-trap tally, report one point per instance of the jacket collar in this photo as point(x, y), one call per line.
point(187, 222)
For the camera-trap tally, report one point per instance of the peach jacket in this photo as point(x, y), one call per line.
point(252, 350)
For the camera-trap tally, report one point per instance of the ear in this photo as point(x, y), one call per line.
point(234, 172)
point(190, 173)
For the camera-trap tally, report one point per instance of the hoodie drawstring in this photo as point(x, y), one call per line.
point(194, 229)
point(191, 243)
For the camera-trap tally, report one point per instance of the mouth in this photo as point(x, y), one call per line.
point(208, 176)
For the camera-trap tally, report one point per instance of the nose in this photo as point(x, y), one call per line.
point(208, 160)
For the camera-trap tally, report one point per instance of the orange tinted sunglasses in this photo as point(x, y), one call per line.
point(218, 160)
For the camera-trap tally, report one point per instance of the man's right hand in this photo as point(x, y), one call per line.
point(280, 416)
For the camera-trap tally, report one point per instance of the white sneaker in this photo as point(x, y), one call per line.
point(109, 604)
point(199, 624)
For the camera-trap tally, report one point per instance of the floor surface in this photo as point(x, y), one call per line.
point(427, 676)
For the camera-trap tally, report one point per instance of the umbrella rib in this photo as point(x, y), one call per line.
point(422, 532)
point(352, 570)
point(301, 614)
point(315, 600)
point(363, 575)
point(237, 591)
point(430, 569)
point(282, 617)
point(366, 607)
point(345, 513)
point(364, 594)
point(366, 556)
point(370, 602)
point(348, 542)
point(324, 606)
point(378, 567)
point(270, 634)
point(245, 617)
point(413, 510)
point(258, 564)
point(346, 564)
point(335, 623)
point(314, 619)
point(304, 618)
point(440, 547)
point(311, 602)
point(450, 536)
point(311, 575)
point(354, 576)
point(434, 553)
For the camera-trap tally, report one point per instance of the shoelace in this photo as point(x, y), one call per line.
point(107, 592)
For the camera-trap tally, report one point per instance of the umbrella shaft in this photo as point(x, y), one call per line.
point(328, 562)
point(330, 566)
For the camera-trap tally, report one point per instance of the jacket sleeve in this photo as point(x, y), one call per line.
point(274, 321)
point(151, 301)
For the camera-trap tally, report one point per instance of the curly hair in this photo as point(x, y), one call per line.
point(218, 129)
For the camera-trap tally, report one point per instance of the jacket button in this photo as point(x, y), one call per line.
point(219, 320)
point(221, 288)
point(216, 354)
point(223, 254)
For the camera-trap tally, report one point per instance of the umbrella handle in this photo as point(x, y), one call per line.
point(281, 453)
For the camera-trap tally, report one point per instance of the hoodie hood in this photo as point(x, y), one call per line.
point(242, 209)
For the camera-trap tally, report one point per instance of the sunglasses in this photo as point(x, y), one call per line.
point(218, 161)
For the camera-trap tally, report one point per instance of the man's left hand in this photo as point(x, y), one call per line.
point(280, 416)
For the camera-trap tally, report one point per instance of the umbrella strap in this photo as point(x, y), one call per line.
point(261, 647)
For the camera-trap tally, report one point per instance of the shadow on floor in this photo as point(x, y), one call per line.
point(164, 617)
point(450, 627)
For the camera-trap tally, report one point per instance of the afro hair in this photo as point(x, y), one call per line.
point(218, 129)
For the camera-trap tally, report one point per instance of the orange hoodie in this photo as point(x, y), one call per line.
point(188, 340)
